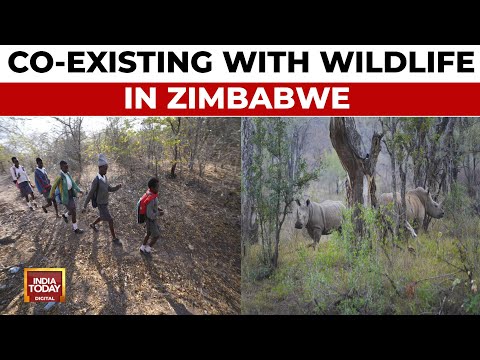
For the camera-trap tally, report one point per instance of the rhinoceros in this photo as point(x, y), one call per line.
point(319, 218)
point(419, 203)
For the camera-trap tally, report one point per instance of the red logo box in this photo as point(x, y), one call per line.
point(44, 285)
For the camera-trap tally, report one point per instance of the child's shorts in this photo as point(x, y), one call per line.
point(46, 194)
point(152, 228)
point(25, 188)
point(104, 213)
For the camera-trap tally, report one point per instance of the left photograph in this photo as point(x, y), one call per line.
point(120, 215)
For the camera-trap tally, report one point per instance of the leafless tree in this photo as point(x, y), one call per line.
point(72, 137)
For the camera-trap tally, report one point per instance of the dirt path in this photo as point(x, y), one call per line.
point(195, 268)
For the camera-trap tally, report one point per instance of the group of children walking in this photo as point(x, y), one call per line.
point(64, 190)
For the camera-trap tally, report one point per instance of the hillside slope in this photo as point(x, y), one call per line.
point(195, 268)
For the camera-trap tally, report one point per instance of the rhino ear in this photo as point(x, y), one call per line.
point(308, 202)
point(298, 202)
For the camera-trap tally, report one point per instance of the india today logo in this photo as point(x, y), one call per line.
point(44, 285)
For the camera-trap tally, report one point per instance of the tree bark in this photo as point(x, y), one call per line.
point(391, 127)
point(249, 226)
point(358, 164)
point(402, 169)
point(436, 173)
point(419, 161)
point(176, 132)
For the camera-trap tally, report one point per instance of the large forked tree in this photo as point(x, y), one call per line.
point(359, 165)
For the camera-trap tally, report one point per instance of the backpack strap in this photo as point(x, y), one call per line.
point(145, 200)
point(98, 184)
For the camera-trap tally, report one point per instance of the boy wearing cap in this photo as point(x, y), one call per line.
point(100, 190)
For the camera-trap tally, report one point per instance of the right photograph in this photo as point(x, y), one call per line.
point(360, 216)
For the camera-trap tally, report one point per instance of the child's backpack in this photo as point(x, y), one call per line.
point(142, 206)
point(95, 195)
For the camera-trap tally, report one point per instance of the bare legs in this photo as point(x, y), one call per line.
point(110, 225)
point(50, 203)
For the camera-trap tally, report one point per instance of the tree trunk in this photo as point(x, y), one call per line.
point(393, 164)
point(249, 226)
point(176, 132)
point(474, 180)
point(420, 158)
point(277, 208)
point(402, 169)
point(371, 164)
point(194, 149)
point(390, 126)
point(172, 170)
point(275, 253)
point(451, 157)
point(79, 151)
point(437, 173)
point(358, 164)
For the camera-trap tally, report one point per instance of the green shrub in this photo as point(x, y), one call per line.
point(350, 275)
point(253, 266)
point(459, 212)
point(472, 304)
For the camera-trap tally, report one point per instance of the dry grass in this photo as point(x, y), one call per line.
point(384, 280)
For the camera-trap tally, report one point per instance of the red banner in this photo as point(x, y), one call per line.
point(239, 99)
